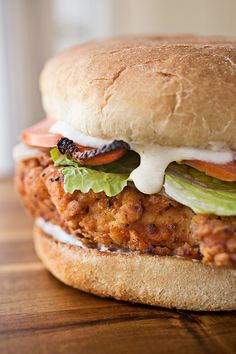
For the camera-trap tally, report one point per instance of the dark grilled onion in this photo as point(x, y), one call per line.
point(71, 149)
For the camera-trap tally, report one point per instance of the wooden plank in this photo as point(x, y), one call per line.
point(17, 251)
point(39, 314)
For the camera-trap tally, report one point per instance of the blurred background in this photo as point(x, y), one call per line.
point(32, 30)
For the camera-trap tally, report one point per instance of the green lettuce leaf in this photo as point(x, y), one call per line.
point(84, 179)
point(124, 165)
point(202, 193)
point(77, 177)
point(61, 160)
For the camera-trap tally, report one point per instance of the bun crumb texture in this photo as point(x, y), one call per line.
point(154, 280)
point(172, 91)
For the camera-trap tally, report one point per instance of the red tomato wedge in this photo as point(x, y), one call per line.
point(38, 135)
point(105, 158)
point(224, 172)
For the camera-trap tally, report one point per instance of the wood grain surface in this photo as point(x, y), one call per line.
point(38, 314)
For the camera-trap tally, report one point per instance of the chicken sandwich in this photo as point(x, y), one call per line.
point(131, 178)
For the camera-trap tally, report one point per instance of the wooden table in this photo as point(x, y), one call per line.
point(38, 314)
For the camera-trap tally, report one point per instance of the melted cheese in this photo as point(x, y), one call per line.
point(154, 159)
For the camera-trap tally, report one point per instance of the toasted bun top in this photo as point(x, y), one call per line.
point(173, 91)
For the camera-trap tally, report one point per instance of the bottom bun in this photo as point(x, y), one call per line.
point(161, 281)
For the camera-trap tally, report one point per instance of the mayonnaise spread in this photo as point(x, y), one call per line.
point(60, 235)
point(149, 175)
point(24, 152)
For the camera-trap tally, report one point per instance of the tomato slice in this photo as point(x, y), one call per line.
point(105, 158)
point(224, 172)
point(38, 135)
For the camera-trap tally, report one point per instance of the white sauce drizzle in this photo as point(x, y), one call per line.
point(57, 233)
point(68, 131)
point(23, 152)
point(149, 175)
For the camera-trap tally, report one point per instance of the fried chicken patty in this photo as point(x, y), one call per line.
point(131, 220)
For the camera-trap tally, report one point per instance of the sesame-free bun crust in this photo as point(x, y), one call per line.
point(161, 281)
point(173, 91)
